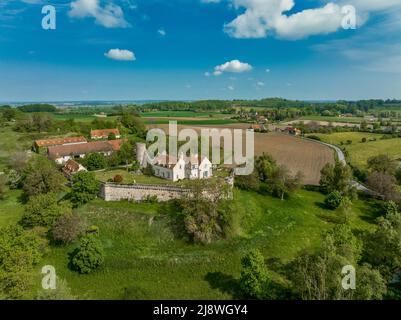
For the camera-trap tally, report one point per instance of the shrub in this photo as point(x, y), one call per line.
point(118, 179)
point(333, 200)
point(68, 228)
point(43, 210)
point(3, 188)
point(85, 188)
point(313, 137)
point(88, 256)
point(390, 207)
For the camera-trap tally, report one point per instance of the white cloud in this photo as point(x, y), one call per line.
point(162, 32)
point(210, 1)
point(263, 18)
point(233, 66)
point(207, 74)
point(121, 55)
point(231, 88)
point(260, 84)
point(109, 16)
point(268, 70)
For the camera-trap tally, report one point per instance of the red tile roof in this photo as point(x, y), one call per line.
point(78, 149)
point(104, 133)
point(59, 141)
point(116, 144)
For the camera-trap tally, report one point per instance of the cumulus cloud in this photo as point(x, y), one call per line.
point(233, 66)
point(262, 18)
point(121, 55)
point(162, 32)
point(109, 16)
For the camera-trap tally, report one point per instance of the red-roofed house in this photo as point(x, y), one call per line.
point(104, 134)
point(72, 167)
point(41, 145)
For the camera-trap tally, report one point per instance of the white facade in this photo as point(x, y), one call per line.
point(182, 169)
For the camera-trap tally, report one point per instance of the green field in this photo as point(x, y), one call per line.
point(351, 120)
point(182, 114)
point(145, 259)
point(79, 117)
point(204, 122)
point(360, 152)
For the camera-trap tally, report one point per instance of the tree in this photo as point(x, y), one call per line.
point(43, 210)
point(384, 185)
point(383, 249)
point(17, 161)
point(95, 161)
point(20, 250)
point(88, 256)
point(333, 200)
point(134, 124)
point(127, 153)
point(337, 177)
point(85, 188)
point(69, 227)
point(265, 165)
point(344, 211)
point(383, 164)
point(281, 183)
point(371, 284)
point(254, 275)
point(318, 276)
point(41, 176)
point(206, 210)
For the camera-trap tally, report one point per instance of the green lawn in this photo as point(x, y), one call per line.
point(145, 256)
point(130, 178)
point(360, 152)
point(11, 208)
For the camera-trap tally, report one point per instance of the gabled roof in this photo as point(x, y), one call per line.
point(78, 149)
point(116, 144)
point(104, 133)
point(59, 141)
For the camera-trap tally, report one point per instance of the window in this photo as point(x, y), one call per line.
point(205, 174)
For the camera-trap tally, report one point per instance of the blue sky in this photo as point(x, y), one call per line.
point(199, 49)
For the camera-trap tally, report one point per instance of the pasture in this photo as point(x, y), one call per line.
point(358, 151)
point(147, 259)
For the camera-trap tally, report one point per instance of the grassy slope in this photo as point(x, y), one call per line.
point(360, 152)
point(148, 258)
point(10, 208)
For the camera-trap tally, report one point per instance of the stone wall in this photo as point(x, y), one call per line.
point(138, 192)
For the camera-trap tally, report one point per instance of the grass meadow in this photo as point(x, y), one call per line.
point(359, 152)
point(147, 259)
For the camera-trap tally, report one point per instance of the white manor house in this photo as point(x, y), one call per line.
point(171, 168)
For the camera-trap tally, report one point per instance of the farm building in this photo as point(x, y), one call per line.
point(72, 167)
point(104, 134)
point(40, 146)
point(61, 154)
point(293, 131)
point(168, 167)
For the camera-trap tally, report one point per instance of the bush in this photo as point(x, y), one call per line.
point(43, 210)
point(313, 137)
point(68, 228)
point(249, 183)
point(95, 161)
point(88, 256)
point(118, 179)
point(333, 200)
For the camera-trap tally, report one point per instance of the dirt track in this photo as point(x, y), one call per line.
point(295, 153)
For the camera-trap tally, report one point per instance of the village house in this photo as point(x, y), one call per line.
point(104, 134)
point(293, 131)
point(40, 146)
point(72, 167)
point(168, 167)
point(258, 127)
point(61, 154)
